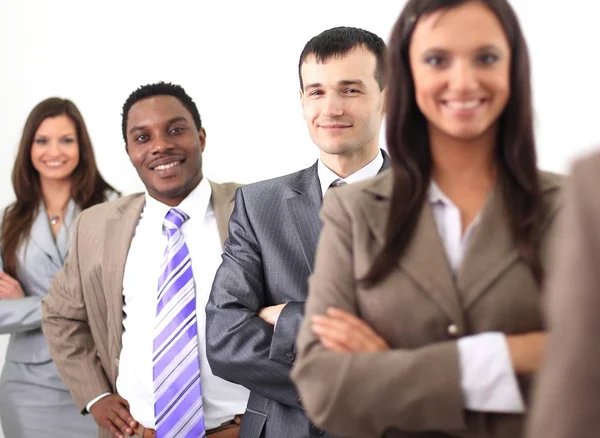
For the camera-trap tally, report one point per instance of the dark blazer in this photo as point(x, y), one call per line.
point(567, 397)
point(420, 309)
point(273, 234)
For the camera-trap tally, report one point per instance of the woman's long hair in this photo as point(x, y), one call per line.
point(88, 186)
point(408, 142)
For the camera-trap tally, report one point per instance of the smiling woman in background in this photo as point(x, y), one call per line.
point(54, 178)
point(423, 316)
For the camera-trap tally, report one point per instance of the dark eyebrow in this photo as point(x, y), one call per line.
point(169, 122)
point(313, 85)
point(344, 82)
point(442, 51)
point(489, 47)
point(357, 82)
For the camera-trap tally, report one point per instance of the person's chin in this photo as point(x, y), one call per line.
point(56, 176)
point(335, 148)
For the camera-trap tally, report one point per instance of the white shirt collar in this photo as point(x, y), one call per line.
point(437, 197)
point(196, 203)
point(327, 176)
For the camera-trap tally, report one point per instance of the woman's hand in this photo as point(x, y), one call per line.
point(9, 287)
point(345, 333)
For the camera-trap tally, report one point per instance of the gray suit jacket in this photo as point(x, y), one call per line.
point(39, 258)
point(273, 234)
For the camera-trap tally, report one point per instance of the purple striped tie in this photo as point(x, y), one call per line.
point(176, 364)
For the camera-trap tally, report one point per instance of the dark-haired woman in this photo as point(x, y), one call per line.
point(54, 178)
point(423, 317)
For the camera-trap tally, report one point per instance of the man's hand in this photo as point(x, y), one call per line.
point(526, 351)
point(112, 413)
point(9, 287)
point(271, 313)
point(345, 333)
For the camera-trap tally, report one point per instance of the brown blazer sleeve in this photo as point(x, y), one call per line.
point(567, 396)
point(363, 395)
point(65, 325)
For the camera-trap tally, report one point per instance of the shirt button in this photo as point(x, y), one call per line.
point(290, 356)
point(300, 403)
point(453, 330)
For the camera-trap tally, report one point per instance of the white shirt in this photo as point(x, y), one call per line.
point(328, 176)
point(488, 381)
point(222, 400)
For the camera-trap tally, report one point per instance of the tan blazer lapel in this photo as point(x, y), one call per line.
point(424, 259)
point(120, 229)
point(490, 252)
point(222, 199)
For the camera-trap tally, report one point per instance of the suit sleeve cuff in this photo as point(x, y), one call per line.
point(488, 381)
point(283, 344)
point(90, 404)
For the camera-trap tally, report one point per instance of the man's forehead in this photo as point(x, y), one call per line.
point(158, 108)
point(353, 66)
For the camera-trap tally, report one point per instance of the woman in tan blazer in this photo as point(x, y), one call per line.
point(423, 317)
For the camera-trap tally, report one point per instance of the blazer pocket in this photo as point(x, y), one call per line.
point(253, 424)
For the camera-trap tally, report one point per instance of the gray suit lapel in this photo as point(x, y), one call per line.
point(304, 205)
point(386, 161)
point(120, 228)
point(63, 238)
point(41, 235)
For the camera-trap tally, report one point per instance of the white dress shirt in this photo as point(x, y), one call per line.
point(222, 400)
point(488, 381)
point(328, 176)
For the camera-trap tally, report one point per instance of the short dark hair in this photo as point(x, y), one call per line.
point(338, 41)
point(159, 89)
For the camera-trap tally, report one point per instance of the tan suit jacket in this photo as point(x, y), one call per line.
point(83, 313)
point(567, 395)
point(413, 390)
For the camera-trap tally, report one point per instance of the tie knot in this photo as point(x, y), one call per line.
point(174, 219)
point(338, 182)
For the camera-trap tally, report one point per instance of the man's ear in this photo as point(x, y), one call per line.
point(202, 136)
point(301, 95)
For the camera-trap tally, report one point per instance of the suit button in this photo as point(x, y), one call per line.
point(290, 357)
point(453, 330)
point(314, 430)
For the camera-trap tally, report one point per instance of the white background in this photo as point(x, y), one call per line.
point(238, 60)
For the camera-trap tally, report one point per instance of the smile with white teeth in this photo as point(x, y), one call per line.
point(54, 163)
point(463, 105)
point(167, 166)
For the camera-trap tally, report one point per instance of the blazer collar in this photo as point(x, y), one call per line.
point(41, 233)
point(120, 228)
point(303, 205)
point(491, 250)
point(222, 200)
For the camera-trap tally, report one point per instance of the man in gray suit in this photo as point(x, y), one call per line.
point(257, 300)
